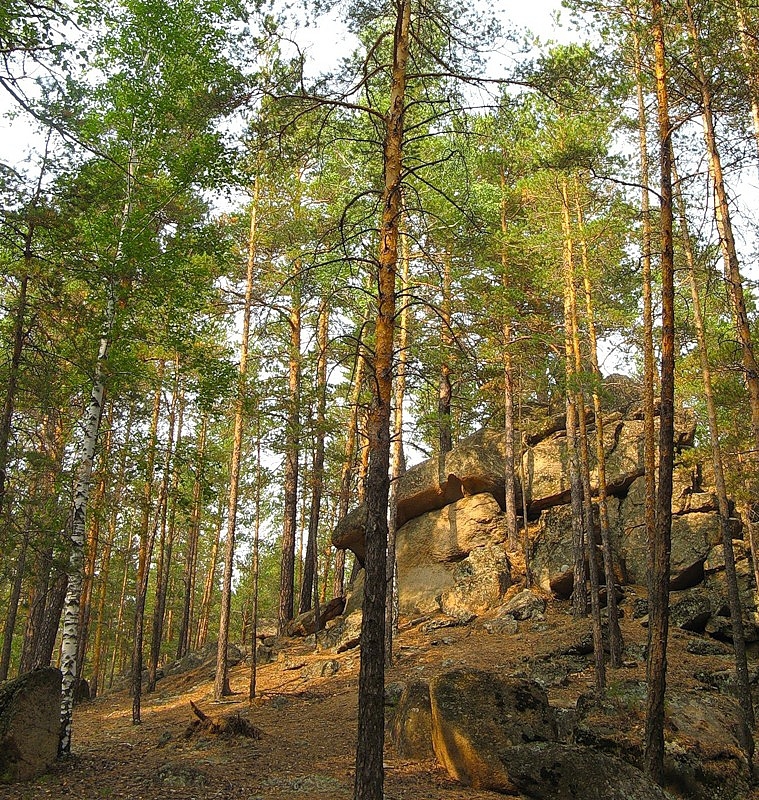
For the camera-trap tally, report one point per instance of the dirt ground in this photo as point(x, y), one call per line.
point(308, 724)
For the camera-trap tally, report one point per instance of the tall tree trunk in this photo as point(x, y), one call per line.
point(349, 461)
point(13, 602)
point(615, 635)
point(221, 682)
point(579, 590)
point(658, 593)
point(398, 459)
point(168, 485)
point(310, 571)
point(14, 368)
point(205, 603)
point(369, 780)
point(578, 391)
point(445, 391)
point(723, 504)
point(292, 451)
point(727, 242)
point(91, 549)
point(93, 413)
point(120, 617)
point(86, 459)
point(191, 553)
point(105, 558)
point(509, 466)
point(147, 539)
point(256, 565)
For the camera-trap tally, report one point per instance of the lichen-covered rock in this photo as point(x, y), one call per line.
point(553, 771)
point(524, 605)
point(343, 635)
point(479, 582)
point(30, 719)
point(477, 715)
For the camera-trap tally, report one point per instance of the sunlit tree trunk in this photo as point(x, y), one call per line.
point(579, 592)
point(658, 592)
point(508, 382)
point(575, 376)
point(723, 504)
point(256, 564)
point(369, 780)
point(221, 682)
point(615, 635)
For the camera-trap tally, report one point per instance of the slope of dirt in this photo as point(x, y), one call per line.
point(308, 724)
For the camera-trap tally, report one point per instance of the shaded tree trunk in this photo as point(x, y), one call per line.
point(147, 539)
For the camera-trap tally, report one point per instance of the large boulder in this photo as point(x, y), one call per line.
point(454, 553)
point(553, 771)
point(476, 715)
point(30, 721)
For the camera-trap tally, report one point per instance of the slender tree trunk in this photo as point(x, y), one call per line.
point(105, 558)
point(147, 539)
point(310, 571)
point(649, 425)
point(221, 682)
point(205, 603)
point(445, 392)
point(371, 713)
point(398, 460)
point(70, 640)
point(575, 374)
point(658, 593)
point(723, 505)
point(14, 368)
point(615, 635)
point(168, 484)
point(292, 451)
point(191, 554)
point(579, 591)
point(508, 382)
point(349, 462)
point(727, 242)
point(13, 602)
point(120, 616)
point(256, 565)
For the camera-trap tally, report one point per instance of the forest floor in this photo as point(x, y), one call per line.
point(308, 724)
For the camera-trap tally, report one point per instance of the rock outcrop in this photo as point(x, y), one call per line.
point(30, 719)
